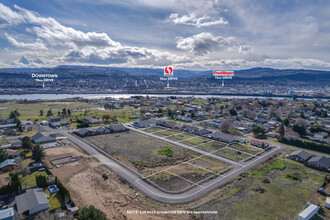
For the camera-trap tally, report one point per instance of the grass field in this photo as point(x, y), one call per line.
point(30, 180)
point(151, 157)
point(196, 141)
point(283, 197)
point(139, 150)
point(180, 137)
point(154, 129)
point(31, 109)
point(55, 200)
point(246, 148)
point(233, 154)
point(167, 133)
point(212, 146)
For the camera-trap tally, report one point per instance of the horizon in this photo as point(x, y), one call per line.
point(189, 35)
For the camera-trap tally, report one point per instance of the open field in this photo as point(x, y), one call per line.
point(180, 137)
point(233, 154)
point(212, 146)
point(246, 148)
point(196, 141)
point(282, 198)
point(154, 129)
point(112, 196)
point(140, 151)
point(31, 109)
point(167, 133)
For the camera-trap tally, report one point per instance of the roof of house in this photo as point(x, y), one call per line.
point(6, 213)
point(146, 122)
point(117, 127)
point(40, 138)
point(216, 134)
point(83, 131)
point(227, 137)
point(256, 141)
point(301, 153)
point(306, 212)
point(191, 128)
point(322, 159)
point(203, 132)
point(8, 162)
point(30, 199)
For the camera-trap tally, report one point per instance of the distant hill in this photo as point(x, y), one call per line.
point(258, 73)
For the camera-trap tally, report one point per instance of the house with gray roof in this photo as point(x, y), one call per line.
point(117, 128)
point(31, 202)
point(319, 162)
point(300, 156)
point(40, 139)
point(146, 123)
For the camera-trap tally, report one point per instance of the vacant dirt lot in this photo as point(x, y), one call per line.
point(87, 187)
point(140, 151)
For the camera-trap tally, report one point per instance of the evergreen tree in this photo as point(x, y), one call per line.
point(38, 153)
point(282, 130)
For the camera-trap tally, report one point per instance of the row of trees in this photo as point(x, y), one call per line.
point(324, 148)
point(15, 115)
point(64, 112)
point(37, 151)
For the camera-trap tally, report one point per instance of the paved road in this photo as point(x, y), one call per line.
point(155, 193)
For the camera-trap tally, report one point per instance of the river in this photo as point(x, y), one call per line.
point(102, 96)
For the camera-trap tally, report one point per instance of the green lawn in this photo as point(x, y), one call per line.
point(30, 180)
point(55, 200)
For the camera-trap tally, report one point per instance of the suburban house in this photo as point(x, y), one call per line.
point(215, 135)
point(146, 123)
point(93, 120)
point(180, 126)
point(185, 119)
point(58, 124)
point(191, 129)
point(40, 139)
point(117, 128)
point(273, 134)
point(203, 132)
point(8, 164)
point(32, 201)
point(170, 124)
point(85, 132)
point(300, 156)
point(320, 162)
point(7, 214)
point(258, 143)
point(102, 130)
point(55, 119)
point(227, 138)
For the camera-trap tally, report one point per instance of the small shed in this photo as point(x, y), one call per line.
point(308, 212)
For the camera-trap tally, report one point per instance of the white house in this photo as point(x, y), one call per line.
point(32, 201)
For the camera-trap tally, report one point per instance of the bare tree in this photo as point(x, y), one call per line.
point(225, 125)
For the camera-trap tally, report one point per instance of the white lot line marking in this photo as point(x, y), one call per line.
point(254, 155)
point(186, 139)
point(185, 179)
point(203, 168)
point(183, 197)
point(204, 143)
point(184, 163)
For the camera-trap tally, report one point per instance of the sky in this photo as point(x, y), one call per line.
point(186, 34)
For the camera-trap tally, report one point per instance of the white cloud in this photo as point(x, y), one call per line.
point(194, 20)
point(206, 42)
point(90, 47)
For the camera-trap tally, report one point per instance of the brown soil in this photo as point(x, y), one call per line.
point(112, 196)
